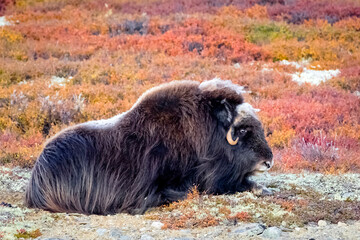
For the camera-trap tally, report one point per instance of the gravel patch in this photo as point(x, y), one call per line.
point(338, 187)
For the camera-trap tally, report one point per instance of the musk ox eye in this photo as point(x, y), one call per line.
point(243, 131)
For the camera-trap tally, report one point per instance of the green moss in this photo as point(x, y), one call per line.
point(265, 33)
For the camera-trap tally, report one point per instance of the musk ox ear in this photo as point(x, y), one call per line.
point(223, 112)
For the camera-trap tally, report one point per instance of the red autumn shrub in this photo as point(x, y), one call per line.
point(4, 4)
point(298, 11)
point(318, 109)
point(197, 37)
point(349, 79)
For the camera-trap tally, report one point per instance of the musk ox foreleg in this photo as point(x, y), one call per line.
point(257, 189)
point(154, 199)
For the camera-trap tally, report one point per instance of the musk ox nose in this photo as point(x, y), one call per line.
point(263, 166)
point(268, 164)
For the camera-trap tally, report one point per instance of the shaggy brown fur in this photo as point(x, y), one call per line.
point(173, 138)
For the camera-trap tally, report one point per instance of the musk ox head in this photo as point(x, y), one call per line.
point(247, 135)
point(175, 136)
point(240, 139)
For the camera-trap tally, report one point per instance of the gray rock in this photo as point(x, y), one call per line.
point(146, 237)
point(185, 231)
point(272, 233)
point(215, 233)
point(322, 223)
point(157, 225)
point(348, 195)
point(250, 229)
point(181, 238)
point(101, 231)
point(124, 237)
point(115, 233)
point(341, 224)
point(54, 238)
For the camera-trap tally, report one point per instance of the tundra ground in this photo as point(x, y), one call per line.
point(304, 206)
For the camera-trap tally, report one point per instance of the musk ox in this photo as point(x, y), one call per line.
point(177, 135)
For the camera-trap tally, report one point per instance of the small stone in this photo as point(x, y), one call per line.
point(341, 224)
point(251, 229)
point(115, 233)
point(272, 233)
point(101, 231)
point(146, 237)
point(322, 223)
point(297, 229)
point(337, 196)
point(157, 225)
point(83, 221)
point(348, 195)
point(49, 238)
point(124, 237)
point(215, 233)
point(181, 238)
point(185, 231)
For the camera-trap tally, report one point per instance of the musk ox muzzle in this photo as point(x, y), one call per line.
point(177, 135)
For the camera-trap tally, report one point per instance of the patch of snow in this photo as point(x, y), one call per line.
point(294, 64)
point(314, 77)
point(58, 81)
point(311, 76)
point(265, 69)
point(4, 22)
point(301, 64)
point(22, 82)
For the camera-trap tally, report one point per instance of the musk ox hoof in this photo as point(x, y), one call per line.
point(266, 192)
point(259, 190)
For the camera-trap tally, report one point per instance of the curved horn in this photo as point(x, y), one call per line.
point(229, 137)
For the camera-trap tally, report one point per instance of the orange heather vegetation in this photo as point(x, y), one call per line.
point(65, 62)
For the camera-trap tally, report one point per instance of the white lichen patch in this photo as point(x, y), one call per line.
point(248, 202)
point(13, 219)
point(13, 180)
point(334, 187)
point(4, 22)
